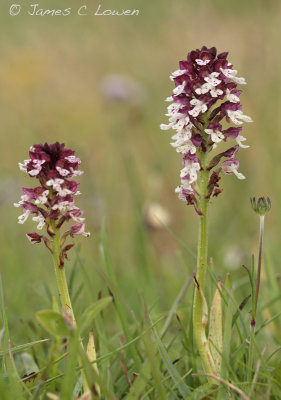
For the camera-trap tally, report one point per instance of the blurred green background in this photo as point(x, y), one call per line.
point(57, 85)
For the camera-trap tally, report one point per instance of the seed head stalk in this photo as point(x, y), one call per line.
point(259, 263)
point(254, 310)
point(261, 207)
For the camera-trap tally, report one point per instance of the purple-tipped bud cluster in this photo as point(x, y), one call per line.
point(261, 206)
point(51, 203)
point(204, 100)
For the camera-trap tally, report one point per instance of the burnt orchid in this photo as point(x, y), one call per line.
point(51, 204)
point(205, 101)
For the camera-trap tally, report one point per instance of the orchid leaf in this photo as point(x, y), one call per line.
point(53, 322)
point(215, 329)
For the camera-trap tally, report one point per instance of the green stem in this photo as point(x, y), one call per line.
point(64, 293)
point(199, 322)
point(61, 278)
point(202, 251)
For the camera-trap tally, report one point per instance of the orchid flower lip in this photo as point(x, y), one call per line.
point(231, 167)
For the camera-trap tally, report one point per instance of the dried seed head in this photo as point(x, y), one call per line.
point(261, 206)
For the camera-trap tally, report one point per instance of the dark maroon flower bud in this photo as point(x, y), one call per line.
point(66, 249)
point(191, 200)
point(217, 192)
point(223, 55)
point(33, 237)
point(213, 184)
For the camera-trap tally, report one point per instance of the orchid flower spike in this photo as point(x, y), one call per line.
point(205, 98)
point(51, 203)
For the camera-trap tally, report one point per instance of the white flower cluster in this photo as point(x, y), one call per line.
point(181, 113)
point(36, 164)
point(180, 122)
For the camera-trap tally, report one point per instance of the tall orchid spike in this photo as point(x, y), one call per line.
point(205, 95)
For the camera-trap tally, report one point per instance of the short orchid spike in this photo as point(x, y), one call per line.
point(51, 203)
point(204, 100)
